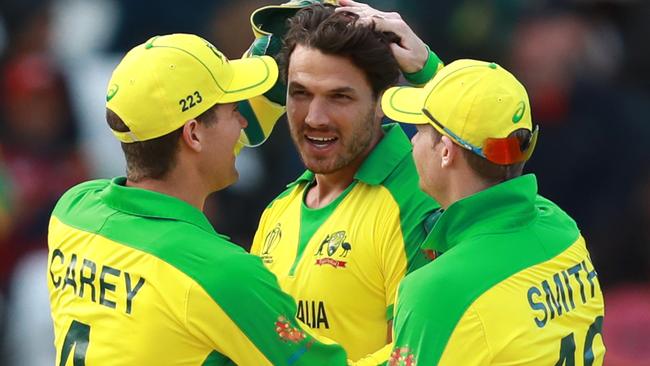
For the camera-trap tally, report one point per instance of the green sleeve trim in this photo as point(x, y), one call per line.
point(389, 312)
point(431, 67)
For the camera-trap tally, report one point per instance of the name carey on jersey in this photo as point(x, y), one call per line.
point(89, 280)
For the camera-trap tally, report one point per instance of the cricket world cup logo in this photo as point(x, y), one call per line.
point(270, 242)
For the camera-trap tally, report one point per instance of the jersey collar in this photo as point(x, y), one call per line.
point(146, 203)
point(503, 207)
point(381, 161)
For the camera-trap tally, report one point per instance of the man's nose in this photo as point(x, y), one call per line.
point(317, 115)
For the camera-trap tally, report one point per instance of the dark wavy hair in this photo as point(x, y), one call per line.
point(320, 27)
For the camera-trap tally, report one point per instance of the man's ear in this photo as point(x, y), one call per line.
point(450, 152)
point(192, 135)
point(378, 111)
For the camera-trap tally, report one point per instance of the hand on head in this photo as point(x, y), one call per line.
point(411, 52)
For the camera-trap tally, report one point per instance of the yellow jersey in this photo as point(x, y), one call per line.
point(140, 278)
point(343, 262)
point(514, 285)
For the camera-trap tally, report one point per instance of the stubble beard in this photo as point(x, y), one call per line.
point(351, 146)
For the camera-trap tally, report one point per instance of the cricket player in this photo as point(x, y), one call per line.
point(514, 284)
point(342, 236)
point(136, 273)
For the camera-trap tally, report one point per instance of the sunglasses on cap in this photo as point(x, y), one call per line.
point(501, 151)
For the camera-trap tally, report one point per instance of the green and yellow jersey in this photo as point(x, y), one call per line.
point(140, 278)
point(514, 285)
point(343, 262)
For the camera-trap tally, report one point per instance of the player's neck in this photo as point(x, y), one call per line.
point(327, 188)
point(175, 185)
point(462, 186)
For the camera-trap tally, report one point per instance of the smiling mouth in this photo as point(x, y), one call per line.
point(321, 142)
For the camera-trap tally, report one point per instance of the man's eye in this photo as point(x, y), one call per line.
point(341, 96)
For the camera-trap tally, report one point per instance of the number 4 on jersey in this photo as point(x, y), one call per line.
point(78, 336)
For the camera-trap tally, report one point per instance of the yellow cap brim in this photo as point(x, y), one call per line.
point(253, 76)
point(404, 104)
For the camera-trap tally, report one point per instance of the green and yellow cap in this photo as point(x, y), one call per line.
point(271, 19)
point(477, 104)
point(168, 80)
point(269, 25)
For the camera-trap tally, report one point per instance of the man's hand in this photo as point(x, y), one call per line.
point(411, 53)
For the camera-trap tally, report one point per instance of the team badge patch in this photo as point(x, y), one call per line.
point(332, 249)
point(402, 356)
point(295, 335)
point(288, 333)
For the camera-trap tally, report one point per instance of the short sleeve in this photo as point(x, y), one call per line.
point(247, 318)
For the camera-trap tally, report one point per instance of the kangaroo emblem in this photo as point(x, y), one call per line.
point(322, 245)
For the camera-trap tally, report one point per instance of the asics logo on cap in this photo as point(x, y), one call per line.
point(150, 43)
point(216, 52)
point(112, 91)
point(519, 113)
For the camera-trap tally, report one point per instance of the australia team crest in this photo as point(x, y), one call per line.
point(333, 249)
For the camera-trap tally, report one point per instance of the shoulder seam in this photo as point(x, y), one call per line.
point(99, 230)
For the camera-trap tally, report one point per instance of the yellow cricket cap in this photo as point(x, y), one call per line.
point(171, 79)
point(475, 103)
